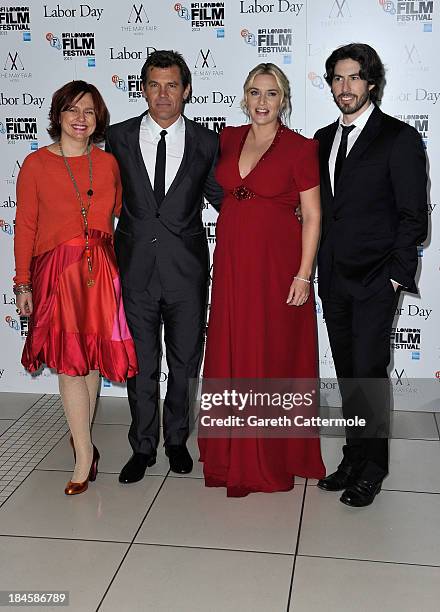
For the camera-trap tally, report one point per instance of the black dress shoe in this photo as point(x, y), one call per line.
point(180, 459)
point(338, 481)
point(134, 469)
point(361, 493)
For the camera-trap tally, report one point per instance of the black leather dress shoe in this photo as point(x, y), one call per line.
point(180, 459)
point(361, 493)
point(339, 480)
point(134, 469)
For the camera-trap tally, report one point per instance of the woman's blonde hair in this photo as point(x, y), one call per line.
point(283, 86)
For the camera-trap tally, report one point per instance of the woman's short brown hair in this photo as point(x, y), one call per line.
point(69, 93)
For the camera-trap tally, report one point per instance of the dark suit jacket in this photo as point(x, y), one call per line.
point(171, 236)
point(373, 223)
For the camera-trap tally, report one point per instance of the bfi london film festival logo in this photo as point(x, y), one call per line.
point(7, 229)
point(138, 21)
point(316, 80)
point(18, 324)
point(420, 122)
point(20, 129)
point(206, 66)
point(74, 45)
point(210, 231)
point(81, 12)
point(13, 67)
point(406, 339)
point(273, 43)
point(131, 85)
point(262, 7)
point(410, 11)
point(15, 19)
point(216, 124)
point(203, 15)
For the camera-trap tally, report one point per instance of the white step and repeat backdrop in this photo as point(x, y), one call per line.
point(44, 45)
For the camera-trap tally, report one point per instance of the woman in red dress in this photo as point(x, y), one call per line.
point(66, 277)
point(262, 323)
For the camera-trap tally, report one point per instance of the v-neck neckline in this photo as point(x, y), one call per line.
point(267, 151)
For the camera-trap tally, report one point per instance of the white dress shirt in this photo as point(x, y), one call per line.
point(149, 136)
point(359, 122)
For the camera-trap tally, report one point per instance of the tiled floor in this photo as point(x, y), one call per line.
point(168, 543)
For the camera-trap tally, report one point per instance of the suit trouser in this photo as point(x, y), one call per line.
point(359, 333)
point(183, 318)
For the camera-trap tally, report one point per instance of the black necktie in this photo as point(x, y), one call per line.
point(342, 152)
point(159, 172)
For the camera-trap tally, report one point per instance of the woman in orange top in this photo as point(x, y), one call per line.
point(66, 276)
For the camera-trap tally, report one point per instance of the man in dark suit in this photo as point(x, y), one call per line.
point(167, 166)
point(373, 191)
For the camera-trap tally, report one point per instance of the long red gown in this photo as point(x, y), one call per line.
point(252, 332)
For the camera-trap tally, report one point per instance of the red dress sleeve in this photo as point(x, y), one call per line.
point(26, 219)
point(306, 165)
point(118, 186)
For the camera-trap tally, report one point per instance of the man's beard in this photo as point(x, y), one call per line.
point(347, 109)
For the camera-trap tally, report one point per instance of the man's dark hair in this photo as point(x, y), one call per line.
point(166, 59)
point(372, 69)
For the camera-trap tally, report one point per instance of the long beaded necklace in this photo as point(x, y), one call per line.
point(84, 209)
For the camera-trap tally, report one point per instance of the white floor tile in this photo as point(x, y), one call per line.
point(106, 511)
point(113, 410)
point(5, 424)
point(114, 449)
point(414, 425)
point(186, 513)
point(414, 466)
point(14, 405)
point(397, 527)
point(163, 578)
point(181, 561)
point(82, 568)
point(344, 586)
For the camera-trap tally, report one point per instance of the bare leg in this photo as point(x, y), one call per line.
point(92, 382)
point(76, 402)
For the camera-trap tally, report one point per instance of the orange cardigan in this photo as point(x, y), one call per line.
point(48, 209)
